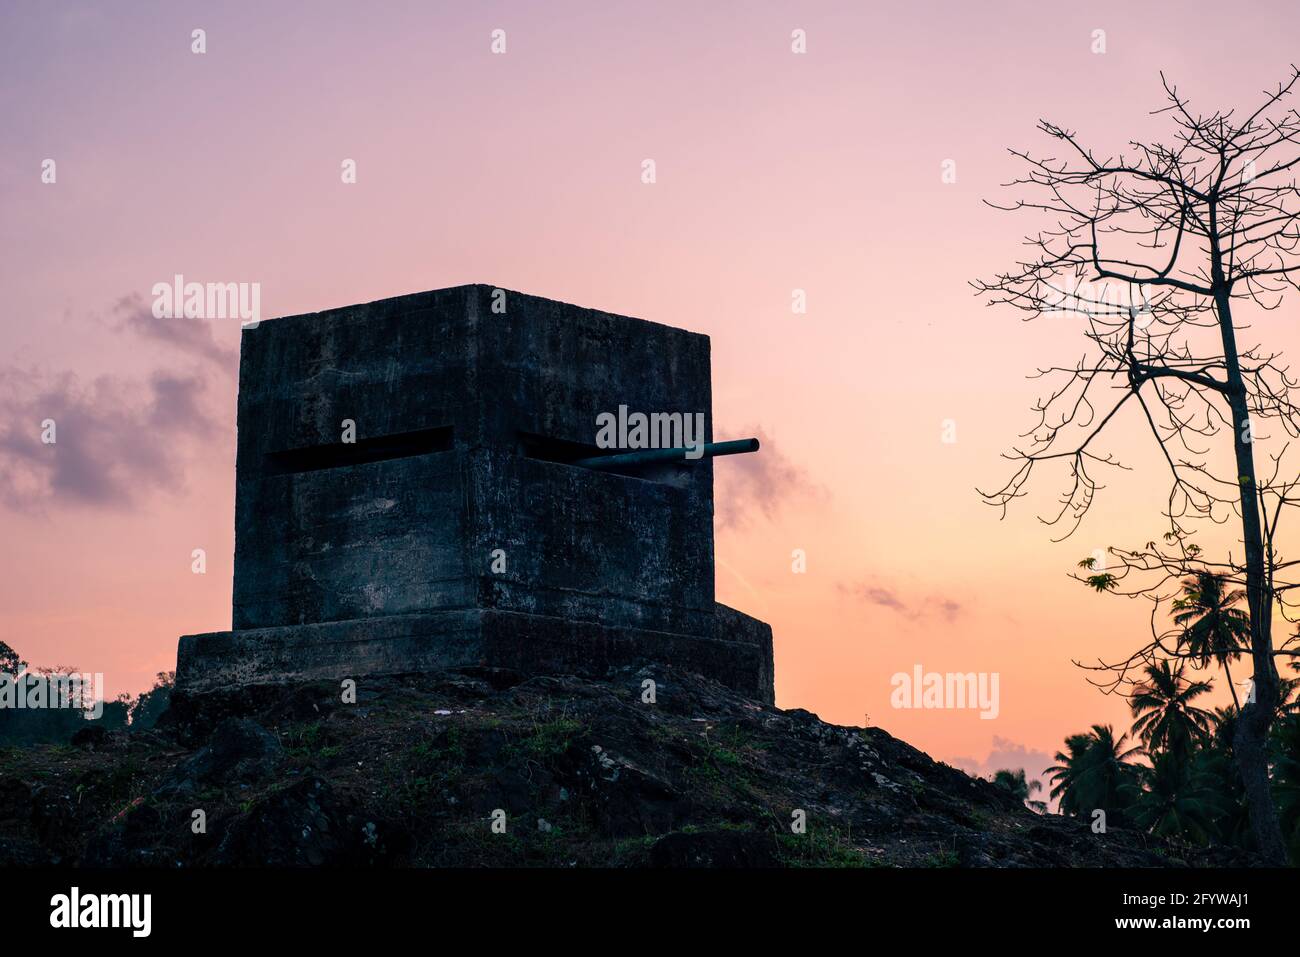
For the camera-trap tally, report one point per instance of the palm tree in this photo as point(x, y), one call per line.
point(1287, 688)
point(1015, 782)
point(1066, 774)
point(1215, 759)
point(1181, 799)
point(1287, 702)
point(1225, 726)
point(1285, 745)
point(1166, 718)
point(1094, 773)
point(1212, 627)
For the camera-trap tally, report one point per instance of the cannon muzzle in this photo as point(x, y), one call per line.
point(620, 460)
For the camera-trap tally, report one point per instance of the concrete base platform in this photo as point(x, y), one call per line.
point(738, 654)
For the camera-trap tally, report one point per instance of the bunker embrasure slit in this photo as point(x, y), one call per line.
point(400, 445)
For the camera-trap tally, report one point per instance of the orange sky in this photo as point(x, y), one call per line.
point(775, 172)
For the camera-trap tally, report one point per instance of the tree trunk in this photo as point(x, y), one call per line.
point(1227, 673)
point(1254, 719)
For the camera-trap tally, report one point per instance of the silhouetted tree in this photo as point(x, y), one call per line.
point(1286, 780)
point(1167, 721)
point(1179, 800)
point(1212, 628)
point(115, 714)
point(10, 663)
point(1216, 761)
point(1095, 773)
point(1017, 784)
point(148, 708)
point(1154, 250)
point(1065, 774)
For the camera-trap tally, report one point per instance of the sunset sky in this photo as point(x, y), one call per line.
point(775, 172)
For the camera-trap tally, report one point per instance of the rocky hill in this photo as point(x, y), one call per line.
point(579, 773)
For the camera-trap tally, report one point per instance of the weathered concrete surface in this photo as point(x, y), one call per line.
point(416, 532)
point(455, 499)
point(735, 626)
point(737, 655)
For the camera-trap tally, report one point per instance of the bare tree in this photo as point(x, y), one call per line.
point(1149, 252)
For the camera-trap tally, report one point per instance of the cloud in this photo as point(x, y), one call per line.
point(192, 337)
point(1010, 755)
point(116, 439)
point(176, 407)
point(884, 597)
point(911, 607)
point(758, 483)
point(950, 610)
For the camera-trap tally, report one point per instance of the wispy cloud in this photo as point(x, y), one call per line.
point(914, 607)
point(115, 440)
point(757, 484)
point(192, 337)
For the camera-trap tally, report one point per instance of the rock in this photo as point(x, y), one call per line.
point(304, 825)
point(239, 750)
point(131, 839)
point(16, 852)
point(91, 738)
point(15, 800)
point(714, 849)
point(619, 782)
point(628, 799)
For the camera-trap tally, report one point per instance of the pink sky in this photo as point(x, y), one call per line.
point(775, 171)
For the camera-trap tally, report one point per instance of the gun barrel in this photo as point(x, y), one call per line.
point(650, 456)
